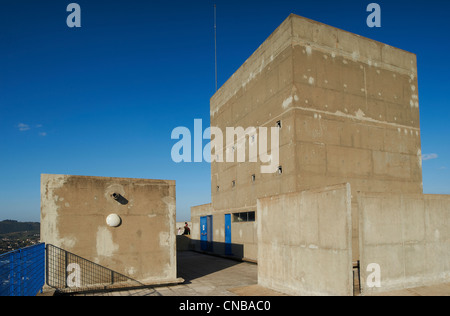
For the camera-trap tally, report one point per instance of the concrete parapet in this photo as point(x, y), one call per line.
point(125, 225)
point(305, 242)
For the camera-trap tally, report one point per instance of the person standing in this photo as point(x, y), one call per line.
point(187, 230)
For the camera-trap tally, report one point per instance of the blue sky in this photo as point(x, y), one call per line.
point(102, 99)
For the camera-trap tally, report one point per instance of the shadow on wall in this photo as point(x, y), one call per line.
point(227, 250)
point(119, 198)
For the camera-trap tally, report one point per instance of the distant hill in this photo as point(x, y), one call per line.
point(10, 226)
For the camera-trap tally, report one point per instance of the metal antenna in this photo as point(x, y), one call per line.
point(215, 40)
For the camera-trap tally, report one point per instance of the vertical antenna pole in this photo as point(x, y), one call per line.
point(215, 41)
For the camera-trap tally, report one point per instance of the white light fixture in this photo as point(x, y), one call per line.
point(113, 220)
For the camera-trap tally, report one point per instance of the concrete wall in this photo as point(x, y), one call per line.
point(305, 242)
point(408, 236)
point(73, 217)
point(349, 109)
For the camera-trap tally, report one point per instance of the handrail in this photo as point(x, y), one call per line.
point(69, 273)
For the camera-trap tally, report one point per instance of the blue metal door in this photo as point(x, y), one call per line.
point(206, 233)
point(228, 234)
point(203, 229)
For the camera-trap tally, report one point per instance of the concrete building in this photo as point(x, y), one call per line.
point(125, 225)
point(347, 110)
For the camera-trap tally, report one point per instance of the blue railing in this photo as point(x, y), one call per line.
point(22, 272)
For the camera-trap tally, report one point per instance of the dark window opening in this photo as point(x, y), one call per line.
point(244, 217)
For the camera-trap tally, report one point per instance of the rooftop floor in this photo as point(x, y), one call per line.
point(206, 275)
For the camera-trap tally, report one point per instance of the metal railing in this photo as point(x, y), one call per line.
point(356, 278)
point(22, 272)
point(69, 273)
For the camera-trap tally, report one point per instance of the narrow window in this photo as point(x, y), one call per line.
point(233, 183)
point(253, 178)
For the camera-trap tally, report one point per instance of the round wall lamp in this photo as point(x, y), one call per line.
point(113, 220)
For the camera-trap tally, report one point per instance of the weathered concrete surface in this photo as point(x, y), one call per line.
point(408, 236)
point(304, 242)
point(349, 110)
point(73, 217)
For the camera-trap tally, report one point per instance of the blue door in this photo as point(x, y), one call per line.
point(203, 228)
point(228, 234)
point(206, 237)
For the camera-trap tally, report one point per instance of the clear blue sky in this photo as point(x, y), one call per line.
point(102, 99)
